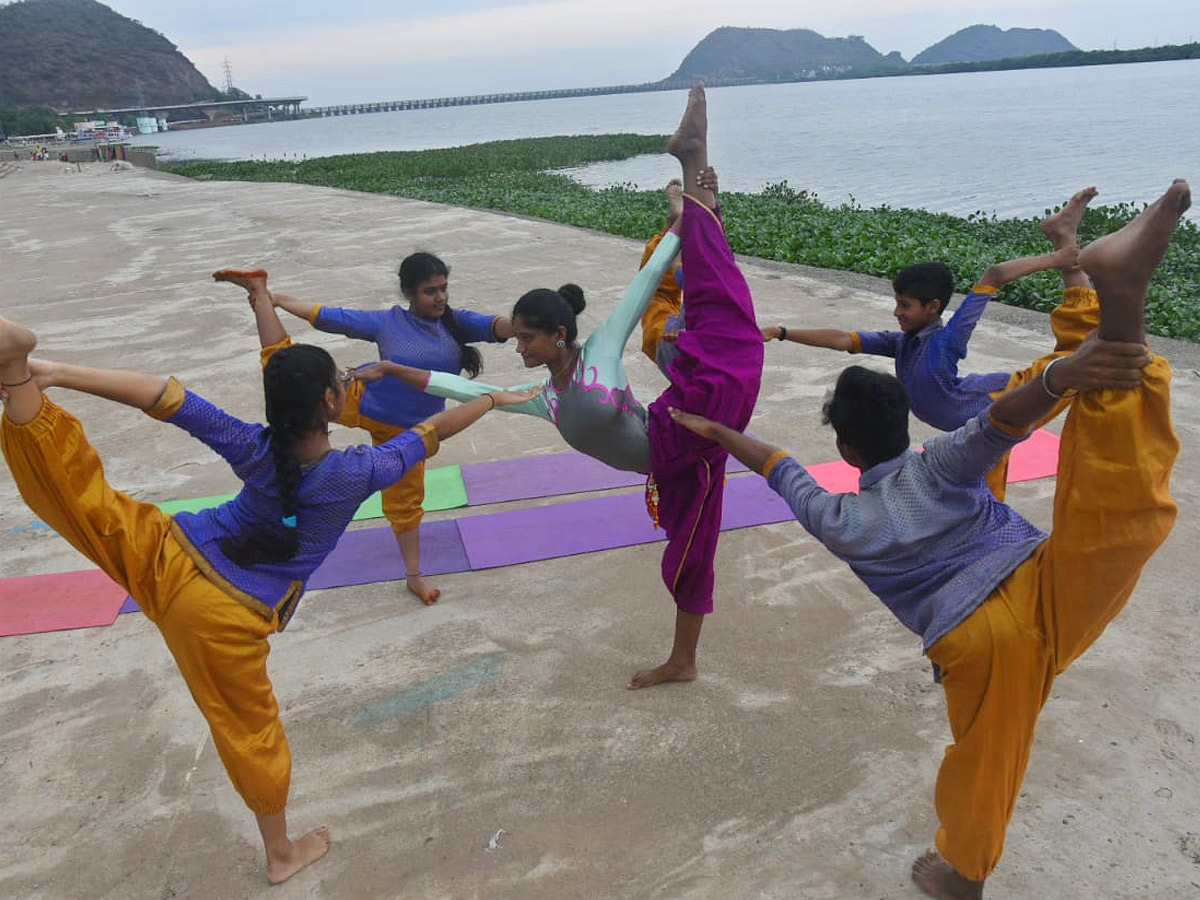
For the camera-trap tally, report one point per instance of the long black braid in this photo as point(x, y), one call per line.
point(294, 382)
point(415, 270)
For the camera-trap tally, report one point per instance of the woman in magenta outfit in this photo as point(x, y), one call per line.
point(588, 399)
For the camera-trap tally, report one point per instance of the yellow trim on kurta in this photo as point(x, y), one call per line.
point(169, 403)
point(984, 289)
point(855, 342)
point(312, 316)
point(247, 600)
point(772, 461)
point(704, 207)
point(430, 436)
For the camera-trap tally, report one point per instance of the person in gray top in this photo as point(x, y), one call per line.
point(1002, 609)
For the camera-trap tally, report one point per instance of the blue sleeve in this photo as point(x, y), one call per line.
point(477, 327)
point(363, 324)
point(807, 500)
point(958, 330)
point(879, 343)
point(968, 454)
point(605, 345)
point(393, 459)
point(235, 441)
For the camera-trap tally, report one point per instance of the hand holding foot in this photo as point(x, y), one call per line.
point(253, 280)
point(1099, 364)
point(707, 179)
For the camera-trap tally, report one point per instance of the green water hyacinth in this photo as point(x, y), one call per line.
point(778, 223)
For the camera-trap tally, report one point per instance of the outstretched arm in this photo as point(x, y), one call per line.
point(297, 307)
point(450, 386)
point(1097, 364)
point(829, 338)
point(751, 451)
point(451, 421)
point(1003, 273)
point(610, 336)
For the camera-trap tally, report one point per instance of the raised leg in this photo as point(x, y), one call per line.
point(689, 145)
point(1121, 264)
point(270, 330)
point(1062, 228)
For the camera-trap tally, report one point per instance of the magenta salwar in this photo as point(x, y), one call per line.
point(716, 375)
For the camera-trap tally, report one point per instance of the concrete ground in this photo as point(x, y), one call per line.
point(800, 764)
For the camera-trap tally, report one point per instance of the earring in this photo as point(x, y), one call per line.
point(560, 344)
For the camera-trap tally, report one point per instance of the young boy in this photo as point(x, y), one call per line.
point(927, 352)
point(1002, 608)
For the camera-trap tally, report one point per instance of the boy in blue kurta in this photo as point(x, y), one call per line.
point(927, 352)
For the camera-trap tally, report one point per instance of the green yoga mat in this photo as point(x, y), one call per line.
point(444, 489)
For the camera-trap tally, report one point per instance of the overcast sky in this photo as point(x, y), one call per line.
point(364, 50)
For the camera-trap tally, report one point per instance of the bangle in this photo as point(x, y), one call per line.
point(782, 336)
point(1046, 382)
point(493, 399)
point(18, 383)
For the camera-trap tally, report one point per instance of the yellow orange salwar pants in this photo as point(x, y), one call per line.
point(667, 302)
point(1112, 509)
point(1071, 321)
point(403, 501)
point(219, 644)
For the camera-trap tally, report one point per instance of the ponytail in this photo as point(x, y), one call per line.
point(294, 383)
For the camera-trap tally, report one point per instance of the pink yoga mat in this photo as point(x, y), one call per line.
point(38, 603)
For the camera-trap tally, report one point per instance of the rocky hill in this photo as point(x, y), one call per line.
point(980, 43)
point(769, 54)
point(79, 55)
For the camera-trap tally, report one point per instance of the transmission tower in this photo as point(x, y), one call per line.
point(228, 69)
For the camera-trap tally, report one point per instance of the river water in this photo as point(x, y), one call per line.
point(1010, 143)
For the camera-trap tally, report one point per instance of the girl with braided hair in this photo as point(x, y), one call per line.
point(430, 334)
point(217, 583)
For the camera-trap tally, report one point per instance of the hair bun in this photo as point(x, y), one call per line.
point(573, 294)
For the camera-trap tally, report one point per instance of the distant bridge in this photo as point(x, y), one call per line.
point(351, 109)
point(258, 107)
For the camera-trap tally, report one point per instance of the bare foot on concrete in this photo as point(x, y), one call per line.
point(1062, 226)
point(674, 200)
point(691, 137)
point(668, 671)
point(426, 594)
point(937, 878)
point(301, 852)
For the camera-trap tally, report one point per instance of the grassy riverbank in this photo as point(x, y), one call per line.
point(779, 223)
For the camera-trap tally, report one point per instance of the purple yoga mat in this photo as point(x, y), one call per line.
point(370, 554)
point(530, 477)
point(603, 523)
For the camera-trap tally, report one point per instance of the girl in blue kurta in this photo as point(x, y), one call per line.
point(216, 582)
point(429, 334)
